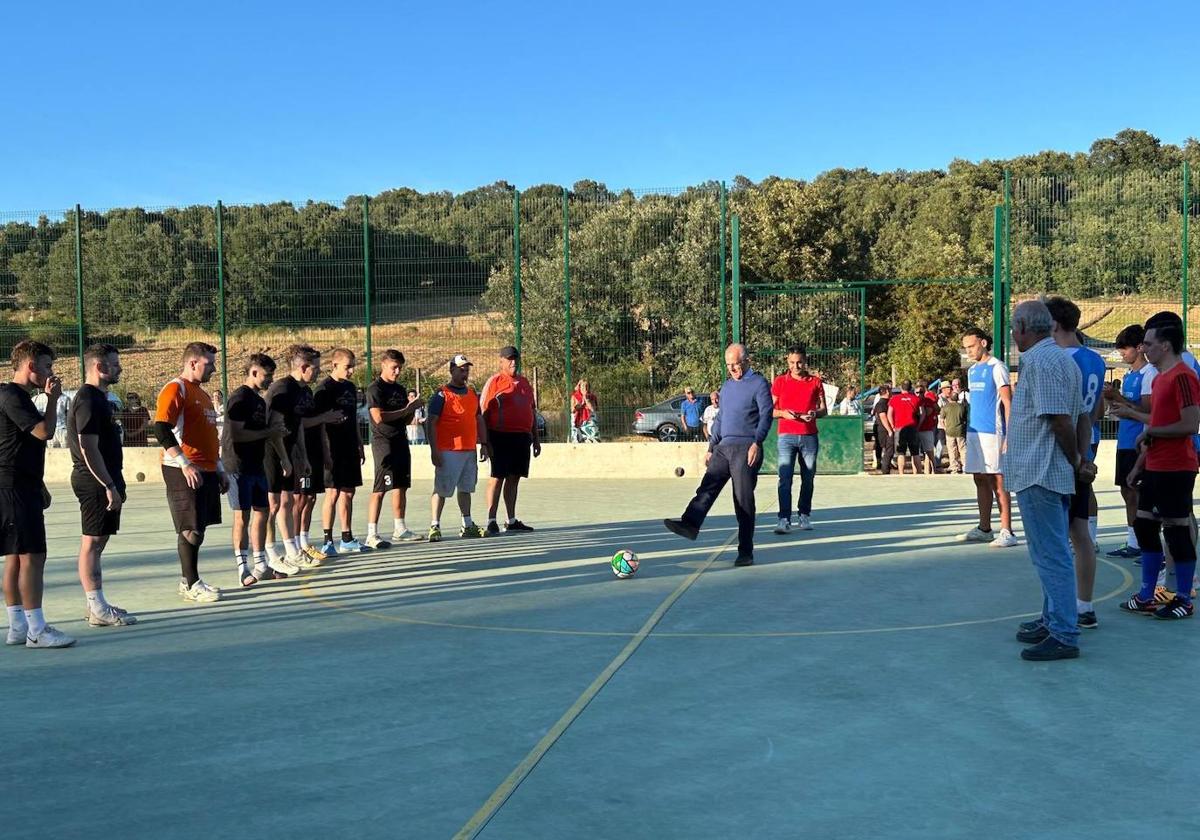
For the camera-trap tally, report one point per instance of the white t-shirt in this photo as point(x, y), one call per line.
point(710, 414)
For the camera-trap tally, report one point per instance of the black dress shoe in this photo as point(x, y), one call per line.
point(1032, 635)
point(678, 526)
point(1050, 649)
point(744, 560)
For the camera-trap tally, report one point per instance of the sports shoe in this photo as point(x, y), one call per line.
point(784, 527)
point(406, 536)
point(977, 535)
point(377, 543)
point(1177, 608)
point(50, 637)
point(435, 533)
point(283, 566)
point(681, 528)
point(1006, 539)
point(1032, 635)
point(1162, 595)
point(199, 592)
point(304, 561)
point(1031, 625)
point(317, 555)
point(517, 525)
point(471, 532)
point(804, 523)
point(744, 560)
point(1139, 607)
point(1048, 650)
point(110, 616)
point(493, 530)
point(331, 550)
point(351, 547)
point(16, 635)
point(1127, 552)
point(1087, 621)
point(265, 573)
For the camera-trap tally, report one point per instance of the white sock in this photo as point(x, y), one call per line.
point(95, 601)
point(1093, 524)
point(260, 560)
point(372, 529)
point(398, 526)
point(240, 557)
point(35, 621)
point(511, 520)
point(1083, 606)
point(491, 520)
point(16, 619)
point(437, 523)
point(467, 523)
point(1131, 538)
point(303, 538)
point(291, 547)
point(272, 552)
point(1162, 577)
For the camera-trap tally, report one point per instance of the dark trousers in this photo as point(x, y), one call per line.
point(887, 449)
point(728, 462)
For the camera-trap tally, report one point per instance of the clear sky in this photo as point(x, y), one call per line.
point(160, 103)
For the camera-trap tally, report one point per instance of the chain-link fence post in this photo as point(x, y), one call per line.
point(1187, 211)
point(79, 328)
point(997, 275)
point(722, 290)
point(517, 273)
point(566, 238)
point(370, 360)
point(737, 278)
point(221, 298)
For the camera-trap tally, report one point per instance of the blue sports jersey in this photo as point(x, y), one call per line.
point(985, 379)
point(1190, 360)
point(1131, 389)
point(1092, 367)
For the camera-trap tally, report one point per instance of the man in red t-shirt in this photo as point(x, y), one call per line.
point(1167, 468)
point(927, 428)
point(510, 414)
point(799, 399)
point(905, 412)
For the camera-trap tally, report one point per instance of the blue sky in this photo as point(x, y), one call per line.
point(156, 103)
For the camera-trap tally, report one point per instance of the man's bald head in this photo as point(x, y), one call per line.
point(736, 360)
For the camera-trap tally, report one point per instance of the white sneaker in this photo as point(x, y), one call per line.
point(352, 547)
point(805, 523)
point(302, 561)
point(200, 592)
point(50, 637)
point(377, 543)
point(16, 635)
point(273, 553)
point(976, 535)
point(1006, 539)
point(110, 616)
point(784, 527)
point(405, 536)
point(283, 565)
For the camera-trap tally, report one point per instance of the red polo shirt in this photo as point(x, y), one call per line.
point(905, 406)
point(798, 395)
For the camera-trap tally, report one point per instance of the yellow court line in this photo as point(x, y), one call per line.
point(522, 770)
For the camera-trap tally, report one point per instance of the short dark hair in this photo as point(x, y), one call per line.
point(29, 350)
point(260, 360)
point(197, 350)
point(1171, 334)
point(391, 355)
point(98, 353)
point(906, 385)
point(302, 354)
point(980, 334)
point(1131, 336)
point(798, 349)
point(1166, 318)
point(1064, 312)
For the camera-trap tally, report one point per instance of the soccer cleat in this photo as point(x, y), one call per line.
point(351, 547)
point(784, 527)
point(1139, 607)
point(110, 616)
point(283, 566)
point(435, 533)
point(405, 536)
point(1126, 552)
point(1006, 539)
point(50, 637)
point(1175, 609)
point(517, 525)
point(200, 592)
point(493, 530)
point(977, 535)
point(1088, 621)
point(331, 550)
point(471, 532)
point(16, 635)
point(804, 523)
point(377, 543)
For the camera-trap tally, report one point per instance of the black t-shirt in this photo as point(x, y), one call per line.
point(247, 407)
point(342, 396)
point(312, 435)
point(293, 401)
point(880, 410)
point(92, 414)
point(387, 396)
point(22, 456)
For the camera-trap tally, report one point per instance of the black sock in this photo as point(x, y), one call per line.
point(189, 560)
point(328, 535)
point(347, 536)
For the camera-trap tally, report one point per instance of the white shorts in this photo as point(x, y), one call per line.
point(458, 473)
point(983, 453)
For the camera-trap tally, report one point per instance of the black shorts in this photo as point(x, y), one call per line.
point(346, 472)
point(1167, 495)
point(95, 517)
point(908, 441)
point(277, 482)
point(192, 510)
point(247, 492)
point(510, 453)
point(22, 520)
point(315, 485)
point(393, 464)
point(1126, 458)
point(1081, 499)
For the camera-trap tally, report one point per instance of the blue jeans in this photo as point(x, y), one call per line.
point(791, 446)
point(1044, 516)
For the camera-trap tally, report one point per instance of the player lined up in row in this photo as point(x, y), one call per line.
point(281, 445)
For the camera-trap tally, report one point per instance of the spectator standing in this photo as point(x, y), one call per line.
point(711, 412)
point(954, 421)
point(928, 426)
point(904, 415)
point(510, 414)
point(135, 420)
point(415, 430)
point(885, 432)
point(689, 415)
point(798, 399)
point(849, 404)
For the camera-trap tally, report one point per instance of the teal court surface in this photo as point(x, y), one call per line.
point(860, 681)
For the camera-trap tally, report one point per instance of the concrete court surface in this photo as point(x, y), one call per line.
point(861, 680)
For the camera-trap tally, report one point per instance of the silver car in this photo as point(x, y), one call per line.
point(662, 419)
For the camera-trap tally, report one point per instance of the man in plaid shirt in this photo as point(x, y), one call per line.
point(1047, 450)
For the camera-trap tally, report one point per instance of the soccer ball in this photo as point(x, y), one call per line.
point(624, 563)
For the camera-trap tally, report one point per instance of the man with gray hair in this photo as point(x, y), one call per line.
point(734, 452)
point(1047, 447)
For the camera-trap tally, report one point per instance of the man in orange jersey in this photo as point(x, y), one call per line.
point(185, 423)
point(510, 414)
point(455, 428)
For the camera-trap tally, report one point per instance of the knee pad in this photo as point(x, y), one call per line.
point(1179, 540)
point(1148, 535)
point(193, 538)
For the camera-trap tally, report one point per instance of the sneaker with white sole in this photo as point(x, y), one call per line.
point(110, 616)
point(435, 533)
point(200, 592)
point(805, 523)
point(784, 527)
point(315, 554)
point(351, 547)
point(471, 532)
point(50, 637)
point(377, 543)
point(282, 565)
point(407, 535)
point(330, 549)
point(977, 535)
point(1006, 539)
point(263, 573)
point(16, 635)
point(302, 561)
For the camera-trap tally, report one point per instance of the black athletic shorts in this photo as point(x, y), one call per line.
point(346, 472)
point(393, 463)
point(1081, 499)
point(510, 453)
point(277, 482)
point(192, 510)
point(1167, 495)
point(1126, 458)
point(908, 442)
point(95, 517)
point(22, 520)
point(315, 485)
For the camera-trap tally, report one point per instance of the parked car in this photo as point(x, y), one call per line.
point(662, 419)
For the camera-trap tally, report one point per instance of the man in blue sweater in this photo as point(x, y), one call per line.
point(734, 452)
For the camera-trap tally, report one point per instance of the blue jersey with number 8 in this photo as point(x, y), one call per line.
point(1092, 367)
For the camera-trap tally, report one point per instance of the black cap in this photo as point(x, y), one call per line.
point(509, 352)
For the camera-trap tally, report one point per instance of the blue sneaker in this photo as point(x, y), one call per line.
point(351, 547)
point(330, 550)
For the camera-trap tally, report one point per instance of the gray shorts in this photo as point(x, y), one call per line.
point(458, 473)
